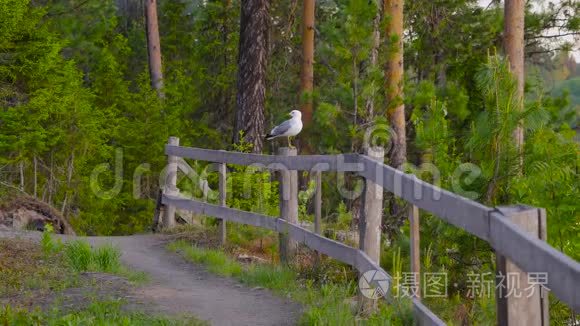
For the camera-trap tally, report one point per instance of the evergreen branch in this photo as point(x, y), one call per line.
point(13, 187)
point(553, 36)
point(65, 12)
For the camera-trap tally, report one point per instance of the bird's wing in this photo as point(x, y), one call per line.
point(282, 128)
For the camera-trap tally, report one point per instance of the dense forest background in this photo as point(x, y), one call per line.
point(77, 108)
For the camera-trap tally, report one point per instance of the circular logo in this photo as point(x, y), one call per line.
point(374, 284)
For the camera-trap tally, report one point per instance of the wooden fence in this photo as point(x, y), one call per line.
point(516, 233)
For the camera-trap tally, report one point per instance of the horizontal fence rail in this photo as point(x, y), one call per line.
point(464, 213)
point(534, 255)
point(528, 252)
point(339, 251)
point(329, 247)
point(340, 162)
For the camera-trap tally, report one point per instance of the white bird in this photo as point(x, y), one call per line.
point(288, 128)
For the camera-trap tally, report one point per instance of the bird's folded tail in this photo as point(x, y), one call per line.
point(268, 137)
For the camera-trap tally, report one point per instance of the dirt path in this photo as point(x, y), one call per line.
point(178, 287)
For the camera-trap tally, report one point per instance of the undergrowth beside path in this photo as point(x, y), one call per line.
point(325, 303)
point(55, 283)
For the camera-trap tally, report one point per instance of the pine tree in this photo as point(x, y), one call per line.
point(154, 46)
point(394, 82)
point(307, 74)
point(252, 63)
point(514, 50)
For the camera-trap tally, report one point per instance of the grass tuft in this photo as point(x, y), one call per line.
point(106, 258)
point(216, 261)
point(79, 255)
point(272, 277)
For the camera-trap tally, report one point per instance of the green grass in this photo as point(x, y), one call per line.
point(30, 271)
point(216, 261)
point(98, 313)
point(107, 258)
point(25, 267)
point(272, 277)
point(81, 257)
point(326, 304)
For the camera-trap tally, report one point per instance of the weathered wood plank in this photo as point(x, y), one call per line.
point(424, 316)
point(158, 213)
point(223, 195)
point(288, 205)
point(415, 246)
point(334, 249)
point(318, 203)
point(170, 186)
point(459, 211)
point(370, 221)
point(520, 308)
point(342, 162)
point(544, 293)
point(364, 263)
point(331, 248)
point(229, 214)
point(534, 255)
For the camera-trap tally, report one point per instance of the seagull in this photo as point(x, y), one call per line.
point(288, 128)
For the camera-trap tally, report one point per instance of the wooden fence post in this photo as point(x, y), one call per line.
point(318, 203)
point(222, 187)
point(518, 300)
point(370, 224)
point(171, 185)
point(415, 248)
point(288, 204)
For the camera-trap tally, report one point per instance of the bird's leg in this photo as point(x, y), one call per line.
point(289, 144)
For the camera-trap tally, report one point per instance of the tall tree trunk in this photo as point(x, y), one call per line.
point(70, 171)
point(307, 74)
point(252, 63)
point(21, 166)
point(394, 81)
point(393, 10)
point(513, 44)
point(224, 108)
point(129, 11)
point(374, 61)
point(355, 87)
point(35, 177)
point(154, 46)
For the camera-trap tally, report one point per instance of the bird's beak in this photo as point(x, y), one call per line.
point(290, 114)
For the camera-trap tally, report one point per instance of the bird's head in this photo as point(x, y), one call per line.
point(296, 114)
